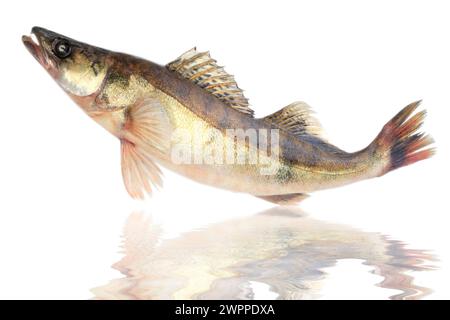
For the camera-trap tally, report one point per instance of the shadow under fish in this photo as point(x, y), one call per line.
point(281, 247)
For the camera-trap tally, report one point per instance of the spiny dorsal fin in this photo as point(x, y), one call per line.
point(297, 119)
point(201, 69)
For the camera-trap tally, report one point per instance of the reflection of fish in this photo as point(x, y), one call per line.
point(145, 105)
point(280, 248)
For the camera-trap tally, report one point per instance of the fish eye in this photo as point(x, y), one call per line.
point(61, 48)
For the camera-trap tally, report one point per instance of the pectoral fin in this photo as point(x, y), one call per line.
point(146, 133)
point(285, 199)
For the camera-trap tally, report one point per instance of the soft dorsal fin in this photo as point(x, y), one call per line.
point(297, 119)
point(201, 69)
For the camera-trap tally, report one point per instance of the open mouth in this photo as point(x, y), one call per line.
point(33, 45)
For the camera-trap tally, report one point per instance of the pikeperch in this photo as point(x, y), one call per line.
point(191, 117)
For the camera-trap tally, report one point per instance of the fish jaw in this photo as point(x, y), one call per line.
point(36, 46)
point(33, 47)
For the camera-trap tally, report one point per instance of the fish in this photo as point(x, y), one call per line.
point(191, 117)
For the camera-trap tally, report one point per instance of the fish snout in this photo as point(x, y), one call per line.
point(42, 33)
point(37, 43)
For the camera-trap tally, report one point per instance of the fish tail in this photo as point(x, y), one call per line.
point(400, 143)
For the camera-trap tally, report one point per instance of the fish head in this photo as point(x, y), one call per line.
point(79, 68)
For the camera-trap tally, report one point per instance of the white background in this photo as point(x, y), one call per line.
point(62, 201)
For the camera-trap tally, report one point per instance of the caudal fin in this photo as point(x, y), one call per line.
point(400, 140)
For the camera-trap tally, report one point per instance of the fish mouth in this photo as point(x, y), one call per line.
point(34, 46)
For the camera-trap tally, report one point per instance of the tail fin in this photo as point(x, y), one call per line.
point(400, 142)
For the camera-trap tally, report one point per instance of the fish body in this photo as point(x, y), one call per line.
point(191, 117)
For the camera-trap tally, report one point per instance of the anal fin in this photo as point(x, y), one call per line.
point(285, 199)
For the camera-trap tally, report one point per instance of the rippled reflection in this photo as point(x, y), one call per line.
point(281, 247)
